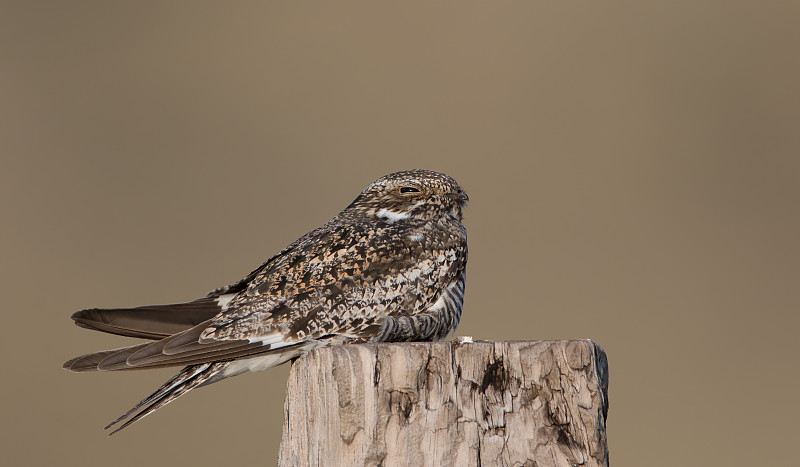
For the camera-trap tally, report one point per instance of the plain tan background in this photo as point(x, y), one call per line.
point(634, 170)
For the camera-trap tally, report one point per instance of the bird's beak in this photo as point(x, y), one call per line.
point(462, 195)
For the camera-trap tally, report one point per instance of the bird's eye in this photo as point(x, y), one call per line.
point(409, 189)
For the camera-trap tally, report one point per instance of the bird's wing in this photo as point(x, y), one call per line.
point(175, 327)
point(182, 348)
point(345, 284)
point(341, 284)
point(160, 321)
point(152, 321)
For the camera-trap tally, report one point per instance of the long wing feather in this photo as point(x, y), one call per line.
point(89, 362)
point(153, 355)
point(152, 321)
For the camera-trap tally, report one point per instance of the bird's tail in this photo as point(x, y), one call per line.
point(189, 378)
point(194, 376)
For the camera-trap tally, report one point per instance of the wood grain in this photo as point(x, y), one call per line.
point(520, 403)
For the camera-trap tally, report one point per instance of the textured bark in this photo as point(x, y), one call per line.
point(443, 404)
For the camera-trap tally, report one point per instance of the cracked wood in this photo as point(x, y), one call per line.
point(521, 403)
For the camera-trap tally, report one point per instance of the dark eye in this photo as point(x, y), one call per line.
point(409, 189)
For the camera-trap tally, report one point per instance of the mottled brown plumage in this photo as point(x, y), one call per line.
point(390, 267)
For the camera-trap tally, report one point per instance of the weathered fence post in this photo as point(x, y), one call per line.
point(522, 403)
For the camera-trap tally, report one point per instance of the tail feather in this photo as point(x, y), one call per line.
point(189, 378)
point(203, 374)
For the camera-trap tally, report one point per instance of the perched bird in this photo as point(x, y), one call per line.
point(389, 267)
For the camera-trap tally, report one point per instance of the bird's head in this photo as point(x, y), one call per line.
point(419, 194)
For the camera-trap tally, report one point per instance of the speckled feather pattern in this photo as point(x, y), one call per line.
point(359, 273)
point(347, 278)
point(390, 267)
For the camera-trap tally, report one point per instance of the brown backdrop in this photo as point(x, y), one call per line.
point(633, 169)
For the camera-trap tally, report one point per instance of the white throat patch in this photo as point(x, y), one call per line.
point(392, 216)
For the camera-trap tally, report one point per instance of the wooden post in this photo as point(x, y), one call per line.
point(537, 403)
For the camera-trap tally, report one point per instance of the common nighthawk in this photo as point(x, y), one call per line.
point(389, 267)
